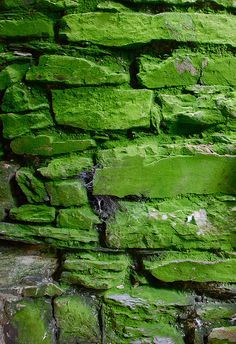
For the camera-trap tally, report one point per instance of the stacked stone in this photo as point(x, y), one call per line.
point(117, 171)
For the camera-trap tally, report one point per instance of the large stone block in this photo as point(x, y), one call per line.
point(33, 213)
point(82, 218)
point(68, 70)
point(186, 223)
point(224, 3)
point(192, 266)
point(128, 29)
point(150, 171)
point(96, 270)
point(25, 26)
point(185, 68)
point(102, 108)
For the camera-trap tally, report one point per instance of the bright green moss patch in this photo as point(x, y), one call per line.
point(193, 266)
point(74, 71)
point(81, 218)
point(67, 193)
point(77, 320)
point(33, 213)
point(102, 108)
point(68, 166)
point(12, 74)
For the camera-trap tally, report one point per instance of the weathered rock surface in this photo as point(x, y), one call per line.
point(7, 173)
point(146, 170)
point(68, 70)
point(67, 193)
point(194, 266)
point(129, 29)
point(33, 213)
point(81, 218)
point(12, 74)
point(187, 223)
point(96, 270)
point(223, 335)
point(102, 108)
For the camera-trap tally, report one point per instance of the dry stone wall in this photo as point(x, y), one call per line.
point(117, 172)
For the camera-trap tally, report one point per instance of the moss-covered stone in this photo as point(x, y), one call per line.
point(216, 314)
point(187, 223)
point(81, 218)
point(144, 314)
point(33, 322)
point(27, 26)
point(31, 186)
point(193, 266)
point(102, 108)
point(20, 97)
point(223, 335)
point(147, 170)
point(77, 320)
point(12, 74)
point(69, 70)
point(51, 144)
point(67, 193)
point(128, 29)
point(224, 3)
point(55, 5)
point(56, 237)
point(96, 270)
point(17, 124)
point(7, 173)
point(186, 68)
point(22, 266)
point(65, 167)
point(33, 213)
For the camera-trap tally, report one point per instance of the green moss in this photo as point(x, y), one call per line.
point(69, 70)
point(7, 173)
point(96, 270)
point(223, 335)
point(81, 218)
point(32, 187)
point(12, 74)
point(102, 108)
point(33, 213)
point(69, 166)
point(67, 193)
point(77, 320)
point(32, 322)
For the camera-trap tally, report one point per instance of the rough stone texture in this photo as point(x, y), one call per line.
point(162, 176)
point(82, 218)
point(96, 270)
point(224, 3)
point(223, 335)
point(128, 29)
point(77, 320)
point(12, 74)
point(7, 172)
point(68, 70)
point(189, 223)
point(33, 213)
point(67, 193)
point(187, 69)
point(105, 108)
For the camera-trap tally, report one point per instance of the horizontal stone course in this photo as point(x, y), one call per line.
point(142, 170)
point(102, 108)
point(224, 3)
point(129, 29)
point(66, 70)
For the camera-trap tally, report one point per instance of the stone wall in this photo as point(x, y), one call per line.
point(117, 171)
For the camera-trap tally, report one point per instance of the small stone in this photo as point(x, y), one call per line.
point(12, 74)
point(7, 174)
point(223, 335)
point(31, 186)
point(67, 193)
point(82, 218)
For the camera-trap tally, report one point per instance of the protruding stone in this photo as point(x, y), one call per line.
point(223, 335)
point(193, 266)
point(102, 108)
point(69, 70)
point(67, 193)
point(96, 270)
point(12, 74)
point(33, 213)
point(65, 167)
